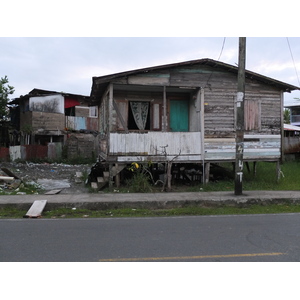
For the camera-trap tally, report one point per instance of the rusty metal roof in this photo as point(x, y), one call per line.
point(39, 92)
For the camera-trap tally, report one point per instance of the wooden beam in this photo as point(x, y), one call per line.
point(207, 173)
point(164, 125)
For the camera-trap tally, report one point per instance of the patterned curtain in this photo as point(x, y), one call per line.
point(140, 113)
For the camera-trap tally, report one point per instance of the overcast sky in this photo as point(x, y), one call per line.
point(68, 64)
point(41, 48)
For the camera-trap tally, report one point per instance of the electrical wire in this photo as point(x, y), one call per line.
point(209, 78)
point(222, 48)
point(293, 60)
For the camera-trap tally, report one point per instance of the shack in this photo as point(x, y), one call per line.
point(50, 119)
point(184, 113)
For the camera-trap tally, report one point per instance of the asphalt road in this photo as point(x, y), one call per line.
point(258, 238)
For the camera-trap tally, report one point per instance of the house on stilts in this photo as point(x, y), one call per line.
point(184, 113)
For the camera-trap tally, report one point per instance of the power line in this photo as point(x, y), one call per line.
point(222, 48)
point(207, 83)
point(293, 60)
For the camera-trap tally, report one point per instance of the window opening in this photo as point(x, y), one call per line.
point(138, 115)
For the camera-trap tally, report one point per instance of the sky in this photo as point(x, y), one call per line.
point(58, 47)
point(67, 64)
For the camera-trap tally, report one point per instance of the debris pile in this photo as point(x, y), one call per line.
point(8, 180)
point(22, 178)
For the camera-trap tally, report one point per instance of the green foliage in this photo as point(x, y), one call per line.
point(140, 181)
point(5, 91)
point(287, 116)
point(265, 179)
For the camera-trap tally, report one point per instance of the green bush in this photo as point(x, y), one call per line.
point(140, 181)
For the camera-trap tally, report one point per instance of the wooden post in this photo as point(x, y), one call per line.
point(169, 176)
point(254, 168)
point(164, 125)
point(239, 150)
point(117, 176)
point(207, 172)
point(110, 182)
point(278, 170)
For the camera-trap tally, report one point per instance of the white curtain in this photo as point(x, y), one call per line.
point(140, 113)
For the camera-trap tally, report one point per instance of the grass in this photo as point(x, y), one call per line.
point(265, 179)
point(11, 212)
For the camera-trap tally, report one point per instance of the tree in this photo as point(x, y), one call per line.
point(5, 91)
point(286, 116)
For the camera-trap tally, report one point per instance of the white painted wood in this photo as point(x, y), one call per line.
point(153, 143)
point(6, 178)
point(36, 209)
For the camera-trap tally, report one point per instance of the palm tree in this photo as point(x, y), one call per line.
point(287, 116)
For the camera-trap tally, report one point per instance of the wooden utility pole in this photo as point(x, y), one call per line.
point(239, 140)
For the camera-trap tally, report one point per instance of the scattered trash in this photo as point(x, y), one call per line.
point(49, 184)
point(9, 173)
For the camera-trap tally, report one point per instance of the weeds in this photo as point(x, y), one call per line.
point(11, 212)
point(140, 182)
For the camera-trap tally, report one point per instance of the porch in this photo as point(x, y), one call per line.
point(155, 146)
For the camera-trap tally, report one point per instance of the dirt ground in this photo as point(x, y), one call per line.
point(51, 176)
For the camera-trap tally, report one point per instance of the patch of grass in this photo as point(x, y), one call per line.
point(10, 212)
point(139, 183)
point(265, 179)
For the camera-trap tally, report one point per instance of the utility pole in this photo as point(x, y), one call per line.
point(239, 140)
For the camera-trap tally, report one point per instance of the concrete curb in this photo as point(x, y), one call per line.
point(151, 200)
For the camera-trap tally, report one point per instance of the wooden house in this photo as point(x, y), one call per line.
point(185, 113)
point(291, 140)
point(45, 117)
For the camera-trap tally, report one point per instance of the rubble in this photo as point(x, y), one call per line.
point(43, 177)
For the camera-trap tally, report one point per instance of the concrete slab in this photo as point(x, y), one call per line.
point(35, 211)
point(51, 184)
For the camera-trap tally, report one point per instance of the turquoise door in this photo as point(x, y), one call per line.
point(179, 115)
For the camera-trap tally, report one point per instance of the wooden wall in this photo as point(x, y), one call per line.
point(263, 109)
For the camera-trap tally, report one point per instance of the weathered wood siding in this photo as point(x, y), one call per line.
point(256, 147)
point(185, 145)
point(220, 88)
point(262, 115)
point(291, 144)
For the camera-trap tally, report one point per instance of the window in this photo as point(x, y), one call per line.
point(93, 111)
point(252, 114)
point(138, 115)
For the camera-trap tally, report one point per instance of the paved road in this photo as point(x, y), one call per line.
point(199, 238)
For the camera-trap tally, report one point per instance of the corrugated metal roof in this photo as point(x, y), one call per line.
point(291, 127)
point(101, 82)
